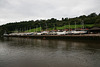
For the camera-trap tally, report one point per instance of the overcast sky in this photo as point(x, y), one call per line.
point(22, 10)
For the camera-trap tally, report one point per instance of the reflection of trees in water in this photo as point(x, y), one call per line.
point(5, 39)
point(52, 44)
point(94, 45)
point(83, 52)
point(70, 45)
point(26, 42)
point(21, 42)
point(52, 50)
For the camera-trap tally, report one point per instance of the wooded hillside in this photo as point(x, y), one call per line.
point(52, 23)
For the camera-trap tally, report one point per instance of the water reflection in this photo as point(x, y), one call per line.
point(25, 52)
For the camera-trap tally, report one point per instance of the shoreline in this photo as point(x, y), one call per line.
point(68, 37)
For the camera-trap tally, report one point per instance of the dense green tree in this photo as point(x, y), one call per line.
point(93, 18)
point(92, 15)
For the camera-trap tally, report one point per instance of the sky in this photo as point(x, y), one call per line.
point(24, 10)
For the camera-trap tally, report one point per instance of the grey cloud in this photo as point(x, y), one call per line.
point(17, 10)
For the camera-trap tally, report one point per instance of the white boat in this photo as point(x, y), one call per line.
point(39, 33)
point(82, 32)
point(75, 32)
point(61, 32)
point(52, 33)
point(44, 33)
point(79, 32)
point(68, 32)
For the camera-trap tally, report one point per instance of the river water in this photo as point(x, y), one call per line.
point(25, 52)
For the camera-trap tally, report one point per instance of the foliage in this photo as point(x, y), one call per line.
point(27, 26)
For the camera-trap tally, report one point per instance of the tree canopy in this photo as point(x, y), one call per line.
point(93, 18)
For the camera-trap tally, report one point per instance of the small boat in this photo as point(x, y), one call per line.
point(52, 33)
point(39, 33)
point(61, 32)
point(44, 33)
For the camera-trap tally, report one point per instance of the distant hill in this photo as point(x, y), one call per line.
point(89, 21)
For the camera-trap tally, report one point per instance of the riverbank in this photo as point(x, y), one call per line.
point(69, 37)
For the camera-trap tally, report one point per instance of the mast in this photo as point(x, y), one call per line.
point(30, 29)
point(54, 27)
point(36, 28)
point(40, 28)
point(26, 29)
point(69, 26)
point(75, 26)
point(82, 24)
point(46, 26)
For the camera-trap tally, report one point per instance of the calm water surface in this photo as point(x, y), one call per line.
point(24, 52)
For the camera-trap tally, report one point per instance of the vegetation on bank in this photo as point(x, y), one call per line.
point(57, 28)
point(50, 24)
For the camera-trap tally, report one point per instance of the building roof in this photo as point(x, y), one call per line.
point(95, 28)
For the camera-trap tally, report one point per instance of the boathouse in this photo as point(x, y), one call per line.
point(94, 30)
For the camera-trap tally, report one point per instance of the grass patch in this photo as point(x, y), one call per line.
point(63, 27)
point(73, 26)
